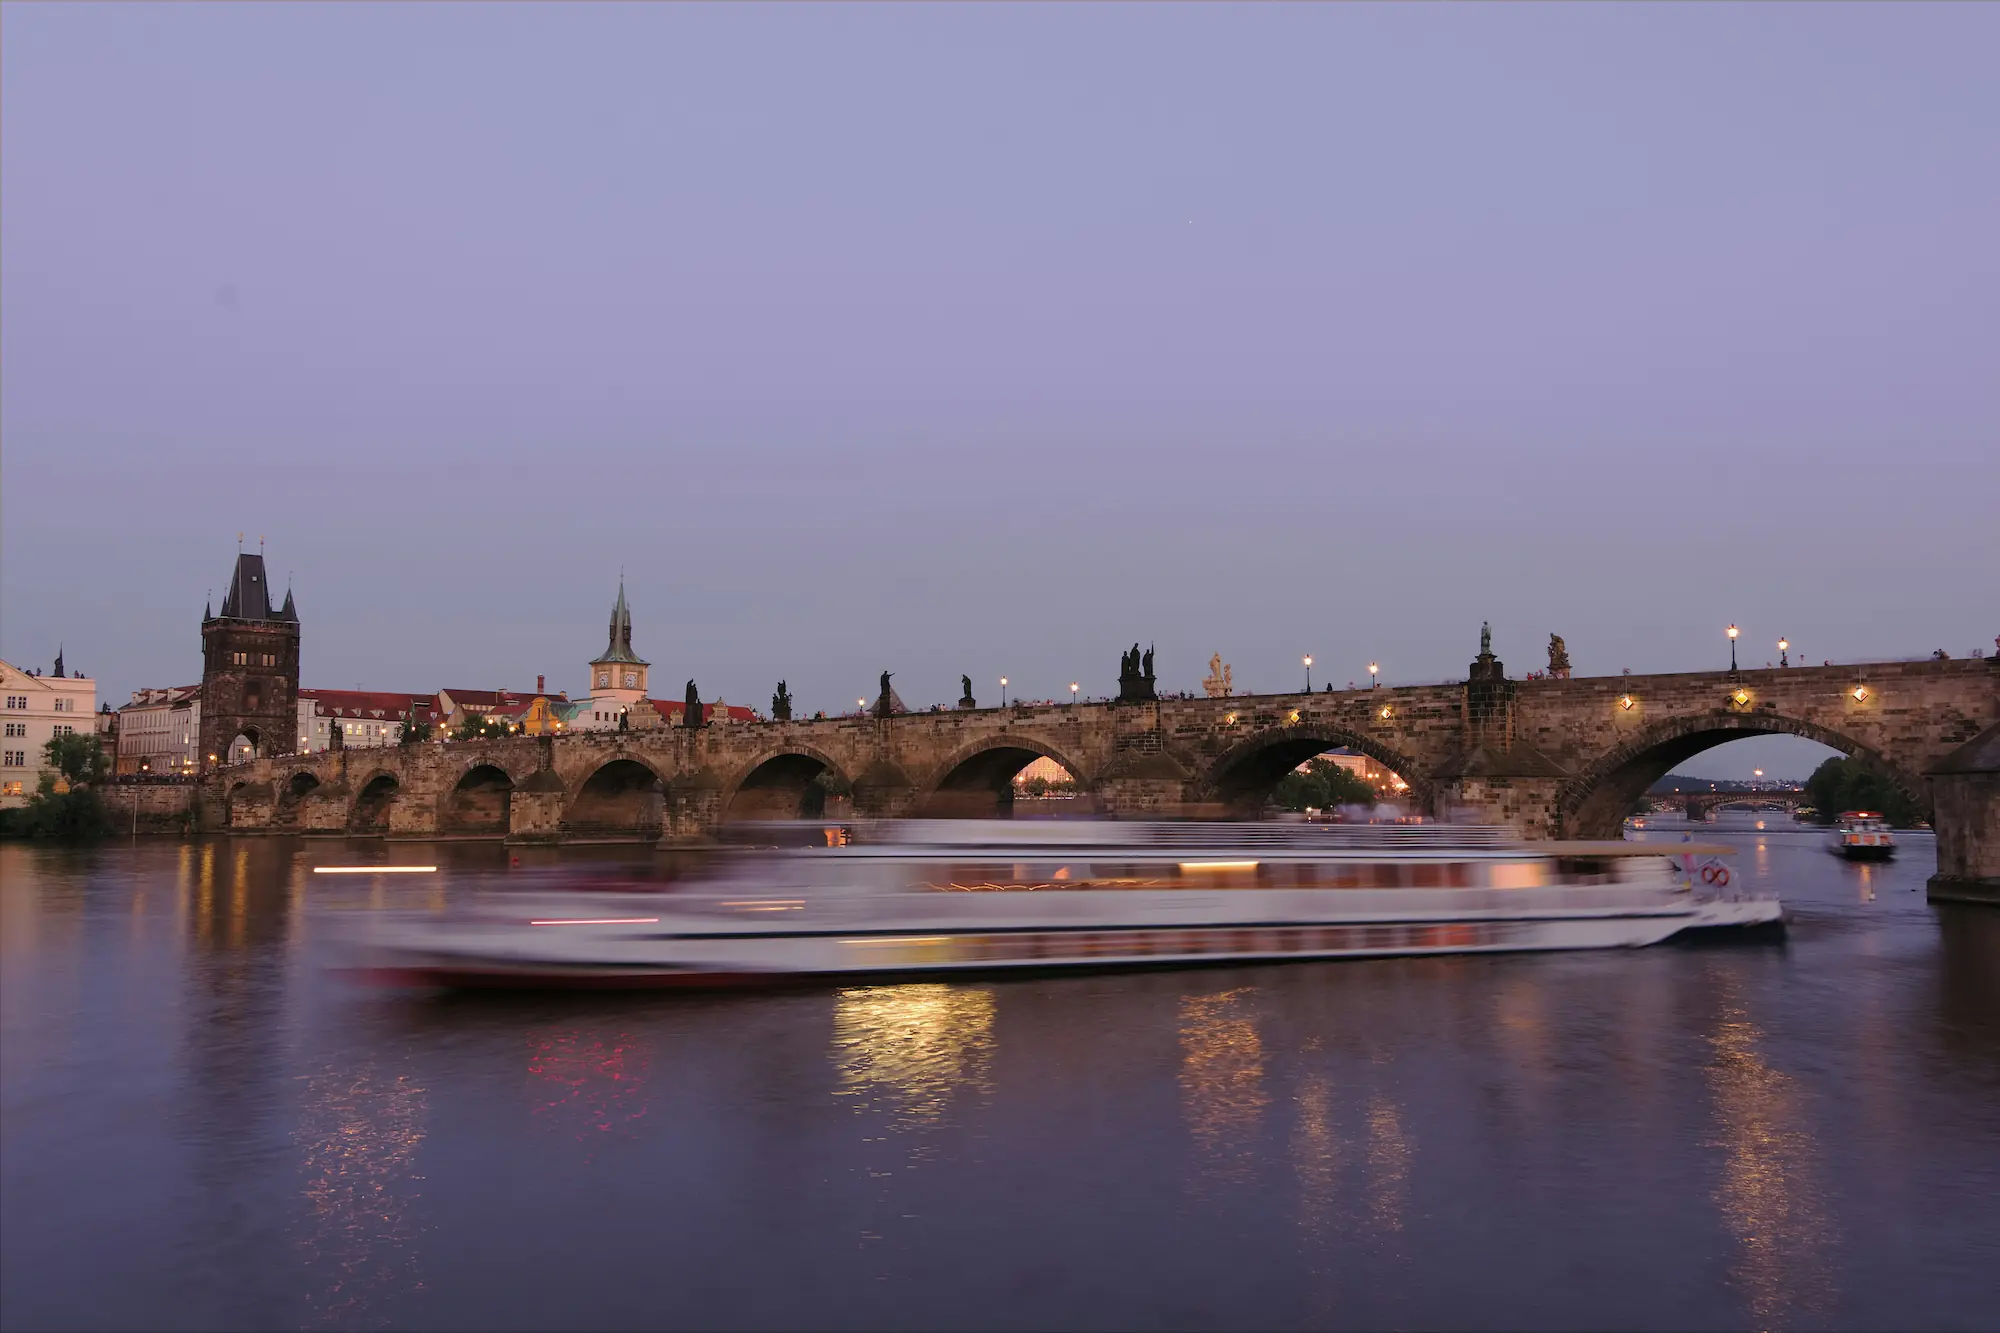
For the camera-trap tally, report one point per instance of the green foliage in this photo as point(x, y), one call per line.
point(1848, 784)
point(79, 758)
point(1040, 786)
point(76, 815)
point(413, 732)
point(479, 727)
point(1323, 786)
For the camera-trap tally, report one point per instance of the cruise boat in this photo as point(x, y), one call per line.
point(1863, 835)
point(929, 897)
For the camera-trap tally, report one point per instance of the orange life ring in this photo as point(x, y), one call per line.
point(1722, 877)
point(1708, 874)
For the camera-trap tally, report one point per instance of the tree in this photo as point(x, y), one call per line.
point(413, 732)
point(74, 814)
point(1323, 786)
point(1848, 784)
point(477, 727)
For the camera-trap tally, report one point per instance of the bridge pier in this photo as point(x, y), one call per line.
point(535, 810)
point(1529, 805)
point(325, 809)
point(1965, 790)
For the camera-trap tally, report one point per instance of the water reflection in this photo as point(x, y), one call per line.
point(904, 1055)
point(1770, 1196)
point(358, 1137)
point(588, 1084)
point(1222, 1082)
point(906, 1051)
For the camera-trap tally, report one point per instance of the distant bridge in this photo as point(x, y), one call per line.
point(1698, 804)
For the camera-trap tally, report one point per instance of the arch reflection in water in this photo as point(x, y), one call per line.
point(358, 1135)
point(1222, 1082)
point(1770, 1196)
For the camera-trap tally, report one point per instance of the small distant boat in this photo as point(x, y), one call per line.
point(1863, 835)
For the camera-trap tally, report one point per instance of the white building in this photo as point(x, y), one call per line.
point(365, 718)
point(36, 709)
point(159, 732)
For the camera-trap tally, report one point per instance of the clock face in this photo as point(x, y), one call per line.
point(631, 679)
point(603, 678)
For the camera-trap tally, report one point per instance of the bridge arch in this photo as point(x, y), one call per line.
point(292, 795)
point(978, 777)
point(377, 793)
point(624, 794)
point(1246, 773)
point(1593, 803)
point(479, 803)
point(782, 783)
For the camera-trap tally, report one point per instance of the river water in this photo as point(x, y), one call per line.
point(200, 1127)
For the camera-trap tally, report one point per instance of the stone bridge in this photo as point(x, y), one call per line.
point(1551, 758)
point(1698, 804)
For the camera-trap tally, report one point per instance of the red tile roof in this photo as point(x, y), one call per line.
point(382, 706)
point(669, 709)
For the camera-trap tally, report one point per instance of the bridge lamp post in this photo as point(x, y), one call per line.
point(1732, 647)
point(1309, 673)
point(1072, 694)
point(1003, 691)
point(1784, 647)
point(1374, 669)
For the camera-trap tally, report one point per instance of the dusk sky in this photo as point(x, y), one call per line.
point(986, 339)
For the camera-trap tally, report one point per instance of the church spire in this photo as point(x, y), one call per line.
point(619, 646)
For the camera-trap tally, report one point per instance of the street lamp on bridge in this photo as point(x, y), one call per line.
point(1003, 691)
point(1784, 648)
point(1309, 673)
point(1072, 694)
point(1374, 669)
point(1732, 648)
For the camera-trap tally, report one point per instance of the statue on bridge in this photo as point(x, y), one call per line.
point(965, 699)
point(1220, 680)
point(1135, 676)
point(885, 702)
point(1558, 657)
point(781, 704)
point(1485, 638)
point(691, 715)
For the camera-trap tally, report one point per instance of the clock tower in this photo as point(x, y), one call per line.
point(618, 675)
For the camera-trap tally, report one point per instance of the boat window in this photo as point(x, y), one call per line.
point(1517, 875)
point(1426, 875)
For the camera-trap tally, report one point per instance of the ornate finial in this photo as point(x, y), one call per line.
point(260, 545)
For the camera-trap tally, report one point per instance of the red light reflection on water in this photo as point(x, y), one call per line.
point(592, 1085)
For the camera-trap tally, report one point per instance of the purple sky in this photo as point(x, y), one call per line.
point(988, 339)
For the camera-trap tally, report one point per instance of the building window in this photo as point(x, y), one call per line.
point(17, 728)
point(65, 705)
point(17, 758)
point(61, 730)
point(17, 701)
point(11, 789)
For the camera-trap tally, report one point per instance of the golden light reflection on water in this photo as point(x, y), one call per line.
point(358, 1134)
point(1316, 1159)
point(1222, 1082)
point(903, 1056)
point(1867, 882)
point(1389, 1153)
point(908, 1050)
point(1770, 1196)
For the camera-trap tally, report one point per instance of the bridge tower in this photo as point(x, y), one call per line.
point(249, 668)
point(1494, 777)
